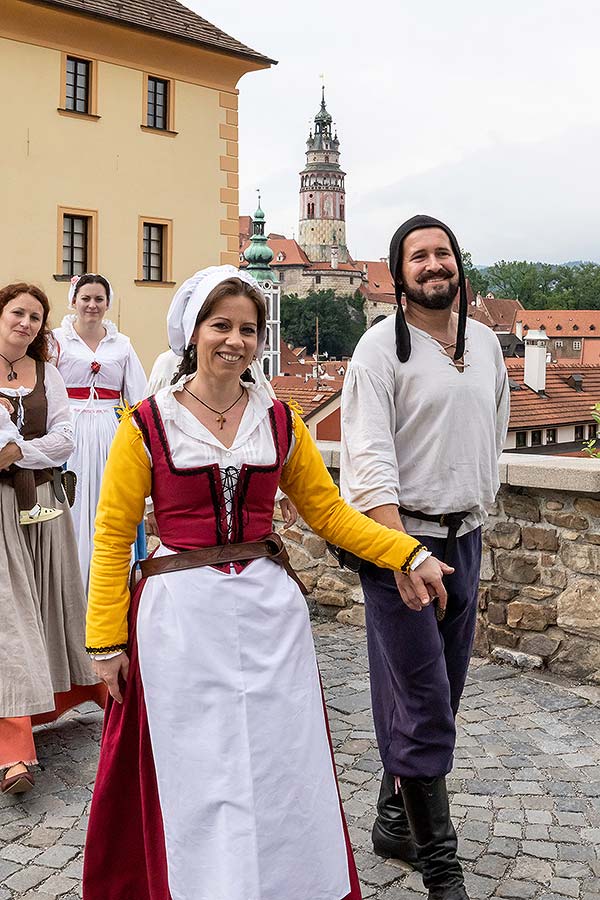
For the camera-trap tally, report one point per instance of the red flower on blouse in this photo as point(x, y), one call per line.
point(95, 367)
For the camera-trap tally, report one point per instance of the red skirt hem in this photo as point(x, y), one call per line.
point(125, 855)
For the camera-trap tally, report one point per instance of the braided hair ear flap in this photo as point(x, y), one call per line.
point(462, 313)
point(402, 333)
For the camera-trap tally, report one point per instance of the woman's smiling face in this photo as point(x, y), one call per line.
point(226, 340)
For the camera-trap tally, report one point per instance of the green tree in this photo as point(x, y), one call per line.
point(478, 278)
point(341, 321)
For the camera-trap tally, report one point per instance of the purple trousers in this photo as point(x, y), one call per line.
point(418, 665)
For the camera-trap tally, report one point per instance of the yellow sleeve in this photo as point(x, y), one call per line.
point(310, 487)
point(126, 483)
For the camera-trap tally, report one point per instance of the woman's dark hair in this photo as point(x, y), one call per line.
point(89, 278)
point(231, 287)
point(40, 346)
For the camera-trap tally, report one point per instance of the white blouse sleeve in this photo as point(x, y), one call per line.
point(55, 447)
point(369, 474)
point(134, 379)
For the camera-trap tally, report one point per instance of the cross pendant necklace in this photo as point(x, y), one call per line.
point(219, 413)
point(12, 375)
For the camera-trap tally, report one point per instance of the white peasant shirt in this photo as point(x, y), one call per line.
point(55, 447)
point(120, 369)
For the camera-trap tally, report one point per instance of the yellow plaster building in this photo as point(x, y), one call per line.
point(119, 151)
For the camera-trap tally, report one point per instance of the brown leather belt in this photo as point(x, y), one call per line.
point(271, 547)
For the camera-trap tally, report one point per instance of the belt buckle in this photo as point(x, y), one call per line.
point(443, 520)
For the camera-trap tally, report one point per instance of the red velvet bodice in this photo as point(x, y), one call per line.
point(189, 503)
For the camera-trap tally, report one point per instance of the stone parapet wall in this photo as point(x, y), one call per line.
point(539, 599)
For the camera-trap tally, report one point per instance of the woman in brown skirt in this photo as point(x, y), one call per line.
point(43, 668)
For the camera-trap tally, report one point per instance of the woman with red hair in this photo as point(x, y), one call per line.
point(43, 667)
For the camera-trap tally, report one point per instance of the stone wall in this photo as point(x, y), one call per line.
point(334, 592)
point(540, 576)
point(539, 603)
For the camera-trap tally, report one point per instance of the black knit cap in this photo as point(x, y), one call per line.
point(402, 332)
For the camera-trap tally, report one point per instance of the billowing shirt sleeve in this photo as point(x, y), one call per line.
point(127, 481)
point(55, 447)
point(368, 466)
point(310, 487)
point(502, 403)
point(134, 379)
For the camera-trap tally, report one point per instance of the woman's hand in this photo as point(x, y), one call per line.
point(424, 584)
point(9, 454)
point(288, 511)
point(109, 670)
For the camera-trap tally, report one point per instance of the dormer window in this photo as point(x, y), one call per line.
point(241, 257)
point(280, 256)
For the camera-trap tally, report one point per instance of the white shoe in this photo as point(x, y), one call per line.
point(38, 514)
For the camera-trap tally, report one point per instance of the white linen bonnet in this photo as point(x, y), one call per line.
point(191, 297)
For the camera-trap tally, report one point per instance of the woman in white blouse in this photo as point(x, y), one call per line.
point(101, 370)
point(43, 668)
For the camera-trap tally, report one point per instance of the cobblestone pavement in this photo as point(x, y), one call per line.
point(526, 788)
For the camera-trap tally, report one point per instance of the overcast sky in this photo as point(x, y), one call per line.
point(484, 114)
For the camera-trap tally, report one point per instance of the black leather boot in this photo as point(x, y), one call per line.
point(428, 810)
point(391, 831)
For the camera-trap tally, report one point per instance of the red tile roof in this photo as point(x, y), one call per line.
point(559, 323)
point(342, 267)
point(310, 396)
point(380, 285)
point(245, 230)
point(287, 357)
point(293, 254)
point(502, 311)
point(562, 405)
point(167, 17)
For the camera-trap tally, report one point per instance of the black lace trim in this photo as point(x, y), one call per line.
point(411, 557)
point(112, 649)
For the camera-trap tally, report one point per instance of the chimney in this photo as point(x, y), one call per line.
point(536, 343)
point(519, 329)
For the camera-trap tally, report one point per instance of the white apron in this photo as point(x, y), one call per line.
point(245, 777)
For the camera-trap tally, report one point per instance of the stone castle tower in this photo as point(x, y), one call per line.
point(322, 226)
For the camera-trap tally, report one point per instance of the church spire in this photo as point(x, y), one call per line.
point(258, 254)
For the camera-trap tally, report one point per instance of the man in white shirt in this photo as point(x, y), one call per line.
point(424, 418)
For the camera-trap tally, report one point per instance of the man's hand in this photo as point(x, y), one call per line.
point(424, 583)
point(9, 454)
point(109, 671)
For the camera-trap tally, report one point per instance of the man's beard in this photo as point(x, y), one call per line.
point(442, 297)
